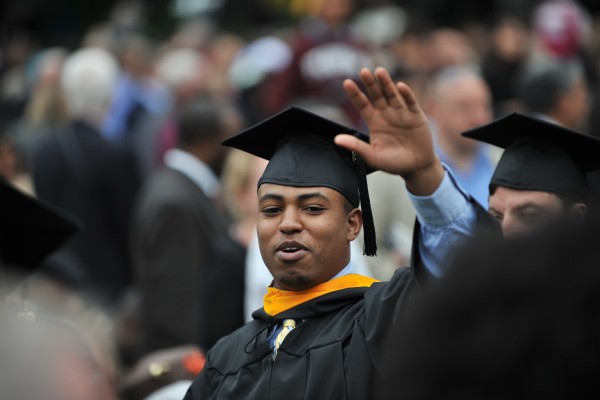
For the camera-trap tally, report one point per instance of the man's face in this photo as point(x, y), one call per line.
point(462, 105)
point(524, 211)
point(304, 234)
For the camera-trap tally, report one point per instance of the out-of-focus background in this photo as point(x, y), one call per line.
point(114, 112)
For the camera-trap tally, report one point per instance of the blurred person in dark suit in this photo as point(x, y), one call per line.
point(80, 171)
point(182, 251)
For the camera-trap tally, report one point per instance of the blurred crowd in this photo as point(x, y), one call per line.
point(123, 132)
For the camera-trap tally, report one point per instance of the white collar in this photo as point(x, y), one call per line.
point(195, 169)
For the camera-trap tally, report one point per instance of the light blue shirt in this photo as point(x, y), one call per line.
point(447, 220)
point(129, 92)
point(476, 179)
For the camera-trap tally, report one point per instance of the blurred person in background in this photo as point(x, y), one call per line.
point(17, 48)
point(185, 73)
point(222, 52)
point(47, 348)
point(139, 102)
point(556, 92)
point(561, 32)
point(409, 51)
point(188, 269)
point(325, 51)
point(252, 69)
point(78, 170)
point(394, 217)
point(503, 63)
point(450, 47)
point(458, 99)
point(240, 180)
point(44, 112)
point(379, 26)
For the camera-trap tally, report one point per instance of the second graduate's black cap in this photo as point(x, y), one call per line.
point(540, 155)
point(31, 229)
point(300, 147)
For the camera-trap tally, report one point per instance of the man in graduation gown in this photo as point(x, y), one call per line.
point(309, 195)
point(543, 175)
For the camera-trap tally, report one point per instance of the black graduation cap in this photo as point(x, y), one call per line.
point(30, 228)
point(540, 155)
point(300, 147)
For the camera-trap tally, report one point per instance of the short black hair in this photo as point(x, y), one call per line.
point(199, 121)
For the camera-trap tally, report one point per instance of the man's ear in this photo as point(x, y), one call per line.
point(355, 222)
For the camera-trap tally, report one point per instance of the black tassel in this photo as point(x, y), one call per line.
point(370, 243)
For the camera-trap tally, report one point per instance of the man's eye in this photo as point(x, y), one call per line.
point(314, 209)
point(271, 210)
point(531, 218)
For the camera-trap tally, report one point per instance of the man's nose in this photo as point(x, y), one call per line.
point(290, 221)
point(510, 228)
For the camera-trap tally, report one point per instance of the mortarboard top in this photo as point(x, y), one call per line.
point(31, 229)
point(540, 155)
point(300, 147)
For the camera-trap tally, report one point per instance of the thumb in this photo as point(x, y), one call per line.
point(352, 143)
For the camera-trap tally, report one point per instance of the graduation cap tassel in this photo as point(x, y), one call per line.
point(370, 243)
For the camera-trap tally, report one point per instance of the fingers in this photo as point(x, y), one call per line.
point(408, 96)
point(373, 88)
point(380, 92)
point(358, 99)
point(388, 88)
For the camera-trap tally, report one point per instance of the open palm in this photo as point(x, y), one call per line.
point(400, 139)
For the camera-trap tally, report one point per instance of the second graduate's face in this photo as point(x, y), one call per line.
point(304, 234)
point(524, 211)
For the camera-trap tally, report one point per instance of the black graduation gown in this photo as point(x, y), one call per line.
point(331, 354)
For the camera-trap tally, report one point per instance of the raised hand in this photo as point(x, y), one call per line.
point(400, 139)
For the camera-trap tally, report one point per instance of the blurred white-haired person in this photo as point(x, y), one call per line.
point(88, 79)
point(78, 170)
